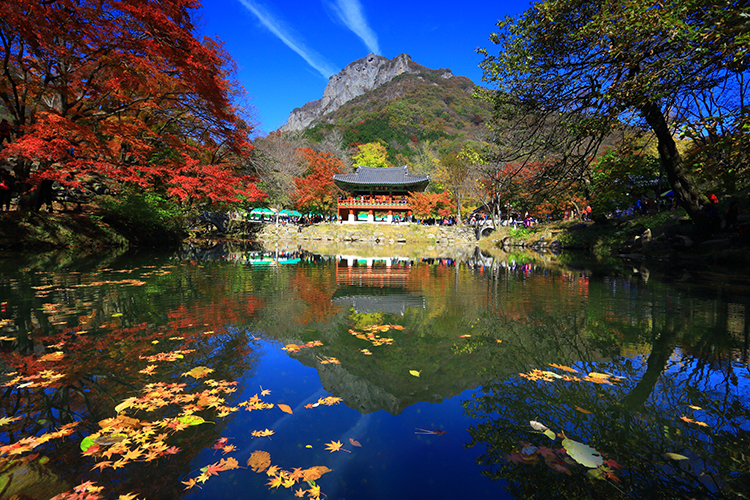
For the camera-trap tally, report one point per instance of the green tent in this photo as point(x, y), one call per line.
point(262, 211)
point(290, 213)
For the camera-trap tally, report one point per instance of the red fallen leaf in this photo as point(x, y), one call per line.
point(220, 443)
point(92, 450)
point(354, 442)
point(172, 450)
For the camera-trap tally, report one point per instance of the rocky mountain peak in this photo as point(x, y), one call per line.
point(357, 78)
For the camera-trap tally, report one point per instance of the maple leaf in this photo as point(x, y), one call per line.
point(296, 475)
point(189, 483)
point(212, 469)
point(119, 464)
point(334, 446)
point(129, 496)
point(314, 491)
point(172, 450)
point(273, 470)
point(263, 433)
point(264, 392)
point(275, 482)
point(299, 493)
point(329, 401)
point(102, 465)
point(149, 370)
point(132, 454)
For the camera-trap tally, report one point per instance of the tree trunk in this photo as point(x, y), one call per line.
point(686, 193)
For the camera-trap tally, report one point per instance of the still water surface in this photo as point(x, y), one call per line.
point(440, 367)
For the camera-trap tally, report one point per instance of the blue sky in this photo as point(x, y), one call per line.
point(287, 49)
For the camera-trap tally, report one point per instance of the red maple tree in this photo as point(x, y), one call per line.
point(426, 205)
point(316, 189)
point(123, 91)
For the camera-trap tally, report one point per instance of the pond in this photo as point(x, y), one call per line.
point(236, 373)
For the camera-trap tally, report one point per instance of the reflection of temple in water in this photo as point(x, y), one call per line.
point(375, 285)
point(376, 272)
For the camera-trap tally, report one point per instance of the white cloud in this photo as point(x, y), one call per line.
point(351, 14)
point(290, 39)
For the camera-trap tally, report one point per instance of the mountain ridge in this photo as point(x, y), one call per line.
point(357, 78)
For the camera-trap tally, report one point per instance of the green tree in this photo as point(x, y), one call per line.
point(585, 67)
point(620, 176)
point(372, 154)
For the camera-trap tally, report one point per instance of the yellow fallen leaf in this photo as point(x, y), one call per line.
point(53, 356)
point(198, 372)
point(675, 456)
point(284, 408)
point(415, 372)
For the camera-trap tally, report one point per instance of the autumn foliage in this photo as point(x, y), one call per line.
point(124, 92)
point(316, 190)
point(425, 205)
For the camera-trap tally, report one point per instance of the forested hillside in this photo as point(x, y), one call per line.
point(409, 110)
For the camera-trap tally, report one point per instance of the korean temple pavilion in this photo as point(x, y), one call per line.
point(378, 193)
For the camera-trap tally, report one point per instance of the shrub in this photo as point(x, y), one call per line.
point(145, 219)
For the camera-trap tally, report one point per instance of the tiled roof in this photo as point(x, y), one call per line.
point(381, 176)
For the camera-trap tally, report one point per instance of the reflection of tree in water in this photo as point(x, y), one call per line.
point(634, 422)
point(103, 332)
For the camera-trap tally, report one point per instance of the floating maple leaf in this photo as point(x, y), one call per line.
point(336, 446)
point(198, 372)
point(329, 401)
point(263, 433)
